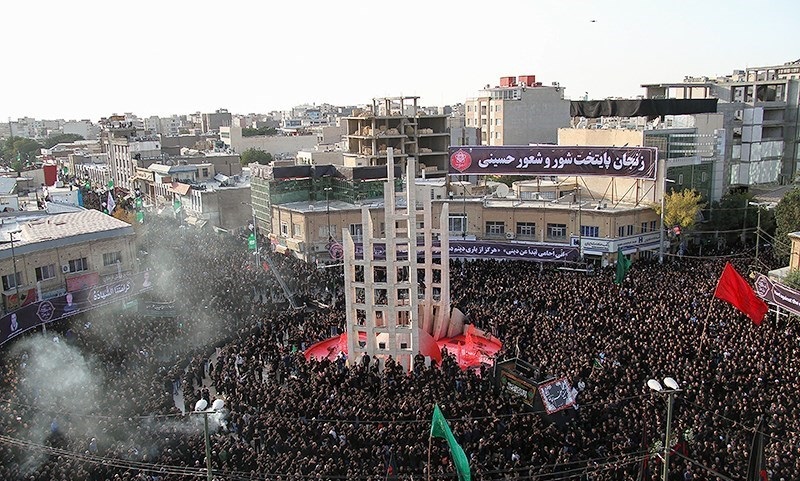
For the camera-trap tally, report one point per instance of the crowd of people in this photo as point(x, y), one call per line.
point(289, 419)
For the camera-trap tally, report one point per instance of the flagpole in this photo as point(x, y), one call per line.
point(430, 442)
point(705, 324)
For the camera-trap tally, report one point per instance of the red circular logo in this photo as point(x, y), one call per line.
point(461, 160)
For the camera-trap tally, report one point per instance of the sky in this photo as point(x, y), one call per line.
point(87, 59)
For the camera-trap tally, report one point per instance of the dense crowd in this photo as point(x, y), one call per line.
point(103, 406)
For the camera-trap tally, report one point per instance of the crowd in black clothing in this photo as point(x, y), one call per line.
point(292, 420)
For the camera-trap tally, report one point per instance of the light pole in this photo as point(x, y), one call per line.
point(758, 226)
point(201, 407)
point(580, 224)
point(255, 230)
point(670, 390)
point(328, 209)
point(663, 208)
point(14, 262)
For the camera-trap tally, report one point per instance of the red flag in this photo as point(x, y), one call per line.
point(732, 288)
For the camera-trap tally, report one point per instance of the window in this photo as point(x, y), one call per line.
point(644, 227)
point(526, 229)
point(296, 231)
point(557, 231)
point(590, 231)
point(205, 171)
point(45, 272)
point(495, 228)
point(284, 229)
point(652, 226)
point(621, 231)
point(630, 229)
point(357, 231)
point(457, 223)
point(11, 281)
point(324, 233)
point(78, 265)
point(111, 258)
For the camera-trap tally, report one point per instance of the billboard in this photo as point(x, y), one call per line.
point(485, 250)
point(549, 160)
point(778, 294)
point(71, 303)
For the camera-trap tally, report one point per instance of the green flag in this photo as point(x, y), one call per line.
point(623, 266)
point(440, 429)
point(251, 242)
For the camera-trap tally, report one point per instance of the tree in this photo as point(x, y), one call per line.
point(681, 208)
point(251, 132)
point(792, 279)
point(19, 148)
point(787, 219)
point(255, 156)
point(61, 139)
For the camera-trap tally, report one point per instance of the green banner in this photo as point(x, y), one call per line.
point(251, 242)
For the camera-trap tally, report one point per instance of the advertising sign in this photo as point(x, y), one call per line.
point(548, 160)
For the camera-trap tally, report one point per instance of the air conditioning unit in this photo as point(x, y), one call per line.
point(65, 268)
point(510, 235)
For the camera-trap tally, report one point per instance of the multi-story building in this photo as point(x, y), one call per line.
point(559, 215)
point(84, 128)
point(61, 253)
point(691, 145)
point(399, 123)
point(277, 145)
point(760, 119)
point(518, 112)
point(213, 121)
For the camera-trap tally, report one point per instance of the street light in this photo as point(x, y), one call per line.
point(663, 208)
point(14, 261)
point(328, 208)
point(670, 390)
point(255, 229)
point(758, 227)
point(201, 407)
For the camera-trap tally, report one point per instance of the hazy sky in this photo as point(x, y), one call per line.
point(87, 59)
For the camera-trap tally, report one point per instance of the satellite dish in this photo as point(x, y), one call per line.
point(501, 190)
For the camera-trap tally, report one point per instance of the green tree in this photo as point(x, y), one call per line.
point(792, 279)
point(787, 220)
point(251, 132)
point(681, 208)
point(19, 148)
point(61, 139)
point(255, 156)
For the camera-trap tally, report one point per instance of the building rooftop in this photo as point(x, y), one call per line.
point(39, 232)
point(7, 185)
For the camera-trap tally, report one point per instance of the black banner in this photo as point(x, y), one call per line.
point(548, 160)
point(486, 250)
point(71, 303)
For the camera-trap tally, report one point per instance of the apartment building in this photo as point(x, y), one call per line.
point(519, 111)
point(211, 122)
point(760, 120)
point(401, 124)
point(45, 256)
point(691, 145)
point(542, 220)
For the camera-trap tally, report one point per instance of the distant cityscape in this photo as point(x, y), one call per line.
point(303, 175)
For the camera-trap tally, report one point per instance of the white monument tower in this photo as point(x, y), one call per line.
point(397, 302)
